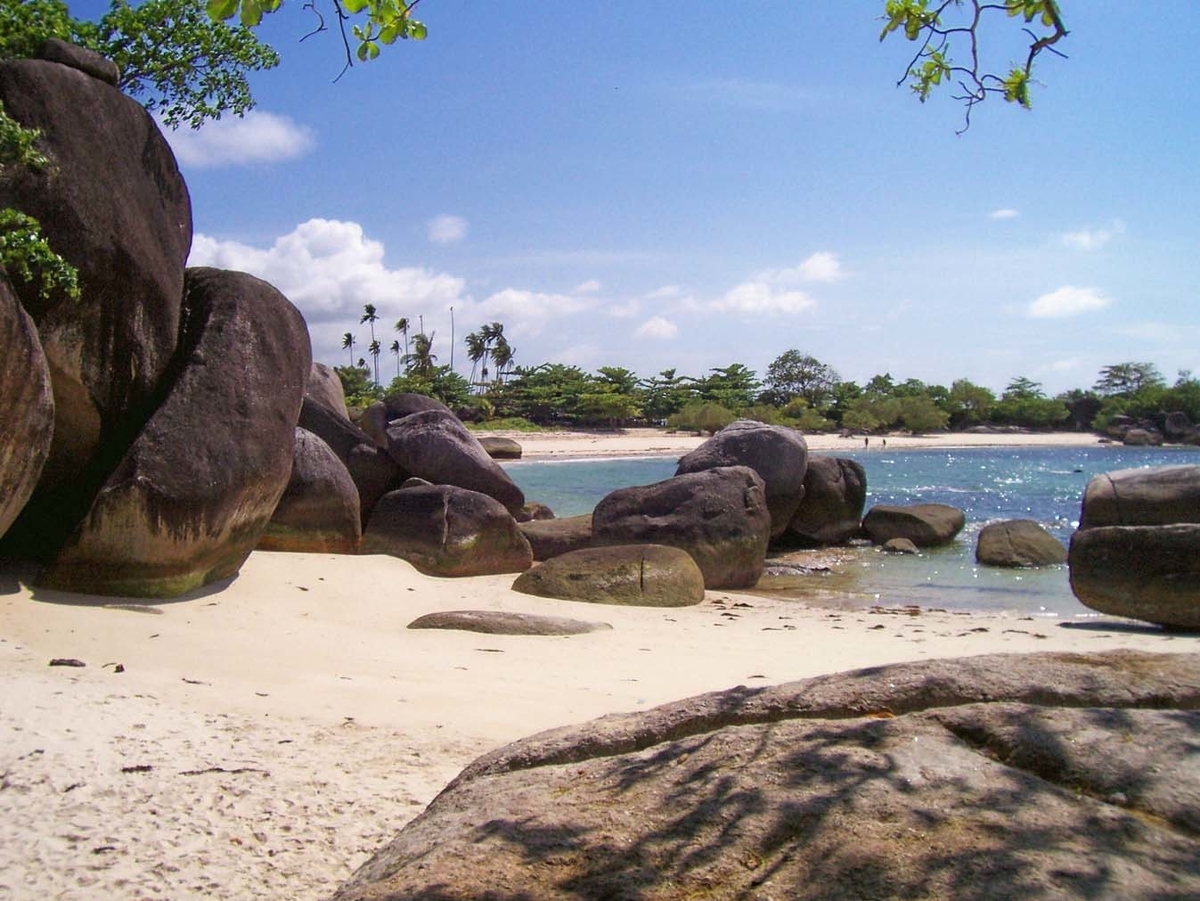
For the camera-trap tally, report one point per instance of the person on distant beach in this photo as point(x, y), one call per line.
point(885, 442)
point(866, 442)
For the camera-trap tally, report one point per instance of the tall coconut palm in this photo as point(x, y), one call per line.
point(477, 350)
point(348, 344)
point(374, 350)
point(369, 317)
point(502, 356)
point(395, 348)
point(402, 326)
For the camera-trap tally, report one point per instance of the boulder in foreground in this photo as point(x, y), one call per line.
point(644, 575)
point(1151, 573)
point(318, 512)
point(195, 491)
point(1040, 776)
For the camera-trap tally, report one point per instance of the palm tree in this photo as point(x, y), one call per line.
point(348, 344)
point(369, 317)
point(502, 356)
point(402, 325)
point(422, 359)
point(477, 350)
point(373, 349)
point(395, 348)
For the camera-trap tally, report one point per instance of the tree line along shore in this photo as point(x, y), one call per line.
point(796, 389)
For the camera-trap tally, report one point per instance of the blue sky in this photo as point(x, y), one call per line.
point(691, 184)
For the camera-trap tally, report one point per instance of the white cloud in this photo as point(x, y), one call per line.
point(1005, 213)
point(822, 266)
point(528, 311)
point(626, 310)
point(446, 229)
point(1093, 238)
point(658, 328)
point(591, 286)
point(1067, 301)
point(257, 137)
point(761, 297)
point(665, 292)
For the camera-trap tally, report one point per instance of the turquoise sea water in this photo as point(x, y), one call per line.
point(988, 484)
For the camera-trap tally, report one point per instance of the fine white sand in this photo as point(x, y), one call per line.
point(657, 442)
point(264, 737)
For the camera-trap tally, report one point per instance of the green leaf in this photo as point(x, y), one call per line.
point(367, 50)
point(417, 30)
point(251, 13)
point(220, 10)
point(354, 6)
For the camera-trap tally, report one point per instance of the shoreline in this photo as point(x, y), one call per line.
point(646, 442)
point(267, 735)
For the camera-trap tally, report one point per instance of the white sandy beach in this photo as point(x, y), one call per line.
point(560, 445)
point(266, 736)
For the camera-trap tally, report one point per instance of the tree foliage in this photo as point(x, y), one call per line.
point(793, 374)
point(948, 39)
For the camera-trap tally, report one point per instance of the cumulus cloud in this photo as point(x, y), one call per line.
point(1006, 213)
point(1068, 301)
point(666, 292)
point(1093, 238)
point(446, 229)
point(256, 138)
point(528, 310)
point(762, 297)
point(822, 266)
point(591, 286)
point(657, 328)
point(329, 269)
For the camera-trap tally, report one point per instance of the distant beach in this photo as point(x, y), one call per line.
point(645, 442)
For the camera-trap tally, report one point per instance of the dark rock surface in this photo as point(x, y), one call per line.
point(644, 575)
point(925, 525)
point(719, 516)
point(1151, 573)
point(497, 622)
point(900, 546)
point(434, 445)
point(373, 472)
point(87, 61)
point(1142, 437)
point(778, 454)
point(26, 406)
point(115, 206)
point(444, 530)
point(318, 512)
point(1157, 495)
point(195, 491)
point(1018, 542)
point(552, 537)
point(401, 404)
point(533, 511)
point(835, 492)
point(1041, 776)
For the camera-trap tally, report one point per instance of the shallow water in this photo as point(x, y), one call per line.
point(987, 484)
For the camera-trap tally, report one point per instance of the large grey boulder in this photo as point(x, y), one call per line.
point(643, 575)
point(1137, 550)
point(325, 386)
point(319, 510)
point(500, 448)
point(835, 492)
point(552, 537)
point(444, 530)
point(115, 206)
point(26, 406)
point(1047, 776)
point(925, 525)
point(778, 454)
point(194, 493)
point(373, 472)
point(1018, 542)
point(1149, 496)
point(719, 516)
point(435, 446)
point(1150, 573)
